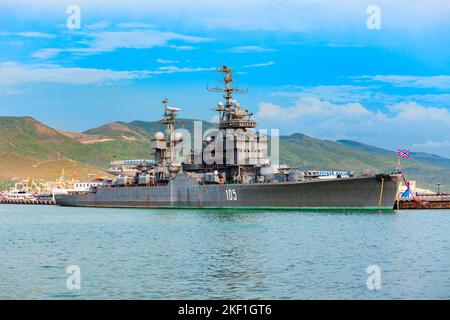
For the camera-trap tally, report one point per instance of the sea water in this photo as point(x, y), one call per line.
point(51, 252)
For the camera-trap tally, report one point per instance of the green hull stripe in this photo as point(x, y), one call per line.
point(278, 208)
point(242, 208)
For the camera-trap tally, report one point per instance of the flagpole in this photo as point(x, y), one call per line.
point(398, 171)
point(398, 164)
point(405, 154)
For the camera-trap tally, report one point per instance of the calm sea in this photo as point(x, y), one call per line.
point(210, 254)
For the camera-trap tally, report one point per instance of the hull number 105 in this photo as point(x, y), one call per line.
point(231, 194)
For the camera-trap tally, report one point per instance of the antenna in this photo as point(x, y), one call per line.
point(228, 78)
point(170, 114)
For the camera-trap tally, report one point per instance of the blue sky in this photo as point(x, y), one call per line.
point(310, 66)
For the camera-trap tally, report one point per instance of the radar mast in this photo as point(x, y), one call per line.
point(169, 115)
point(232, 116)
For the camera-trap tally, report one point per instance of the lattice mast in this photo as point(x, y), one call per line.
point(232, 116)
point(170, 114)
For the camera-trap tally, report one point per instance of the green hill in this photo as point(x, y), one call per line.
point(27, 144)
point(150, 128)
point(118, 129)
point(427, 169)
point(26, 138)
point(29, 137)
point(311, 153)
point(120, 140)
point(431, 159)
point(17, 166)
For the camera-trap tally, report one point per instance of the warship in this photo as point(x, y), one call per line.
point(240, 177)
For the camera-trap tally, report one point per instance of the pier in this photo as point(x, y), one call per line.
point(425, 202)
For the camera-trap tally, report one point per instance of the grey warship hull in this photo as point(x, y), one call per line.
point(366, 192)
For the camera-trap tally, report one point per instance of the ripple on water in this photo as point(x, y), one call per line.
point(213, 254)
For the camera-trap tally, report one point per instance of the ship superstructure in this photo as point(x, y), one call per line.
point(243, 151)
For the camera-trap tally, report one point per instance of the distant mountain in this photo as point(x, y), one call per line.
point(118, 129)
point(27, 144)
point(429, 158)
point(311, 153)
point(427, 169)
point(144, 129)
point(422, 156)
point(26, 137)
point(132, 140)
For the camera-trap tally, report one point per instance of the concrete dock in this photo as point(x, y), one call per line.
point(31, 202)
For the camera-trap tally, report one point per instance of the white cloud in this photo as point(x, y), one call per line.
point(9, 91)
point(175, 69)
point(15, 74)
point(29, 34)
point(164, 61)
point(46, 53)
point(369, 93)
point(258, 15)
point(134, 25)
point(333, 93)
point(312, 107)
point(108, 41)
point(32, 34)
point(257, 65)
point(248, 49)
point(98, 25)
point(438, 81)
point(182, 48)
point(407, 125)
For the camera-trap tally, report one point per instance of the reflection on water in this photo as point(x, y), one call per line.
point(189, 254)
